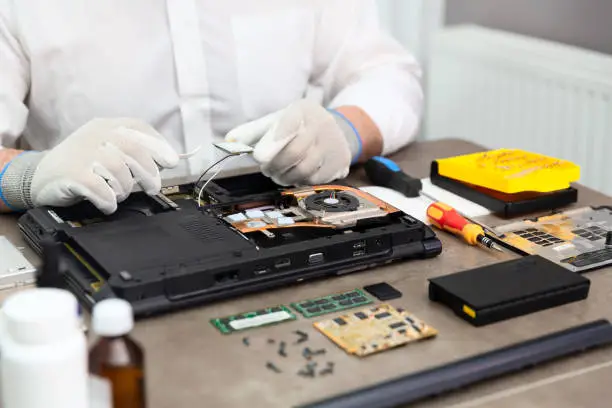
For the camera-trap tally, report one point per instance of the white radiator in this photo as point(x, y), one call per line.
point(504, 90)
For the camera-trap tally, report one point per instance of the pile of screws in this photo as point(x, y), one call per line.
point(308, 371)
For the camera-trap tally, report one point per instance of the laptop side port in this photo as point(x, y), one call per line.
point(359, 245)
point(317, 258)
point(226, 277)
point(282, 263)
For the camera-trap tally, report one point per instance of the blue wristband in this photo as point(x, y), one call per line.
point(2, 173)
point(357, 135)
point(4, 200)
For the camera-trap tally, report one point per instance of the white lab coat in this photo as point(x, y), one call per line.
point(195, 69)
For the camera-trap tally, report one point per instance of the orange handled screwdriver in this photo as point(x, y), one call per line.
point(448, 219)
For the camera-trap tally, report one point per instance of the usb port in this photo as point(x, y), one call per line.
point(359, 253)
point(282, 263)
point(261, 271)
point(359, 245)
point(316, 258)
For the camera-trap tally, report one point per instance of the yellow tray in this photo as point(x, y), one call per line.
point(511, 171)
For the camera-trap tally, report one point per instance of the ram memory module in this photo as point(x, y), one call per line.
point(332, 303)
point(249, 320)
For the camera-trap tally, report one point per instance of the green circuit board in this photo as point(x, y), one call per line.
point(250, 320)
point(332, 303)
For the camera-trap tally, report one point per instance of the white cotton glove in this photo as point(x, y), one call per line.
point(304, 144)
point(100, 162)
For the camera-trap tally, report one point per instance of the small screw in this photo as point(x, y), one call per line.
point(281, 350)
point(328, 370)
point(307, 353)
point(246, 342)
point(272, 367)
point(308, 371)
point(303, 336)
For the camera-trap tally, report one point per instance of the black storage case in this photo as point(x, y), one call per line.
point(509, 289)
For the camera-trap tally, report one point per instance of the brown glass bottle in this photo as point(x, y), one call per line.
point(120, 361)
point(115, 357)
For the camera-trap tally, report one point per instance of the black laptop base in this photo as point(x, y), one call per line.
point(166, 252)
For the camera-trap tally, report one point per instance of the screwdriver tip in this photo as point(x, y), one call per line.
point(489, 243)
point(497, 248)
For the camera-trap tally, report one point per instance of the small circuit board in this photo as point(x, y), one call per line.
point(375, 329)
point(250, 320)
point(332, 303)
point(575, 239)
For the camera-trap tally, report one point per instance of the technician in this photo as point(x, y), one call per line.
point(97, 96)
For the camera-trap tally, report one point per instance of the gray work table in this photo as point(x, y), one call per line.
point(190, 364)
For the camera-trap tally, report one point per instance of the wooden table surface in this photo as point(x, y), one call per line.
point(189, 364)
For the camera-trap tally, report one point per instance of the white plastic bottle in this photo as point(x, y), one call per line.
point(43, 351)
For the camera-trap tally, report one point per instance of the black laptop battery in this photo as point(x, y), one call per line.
point(443, 379)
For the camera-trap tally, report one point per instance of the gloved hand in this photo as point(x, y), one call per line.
point(304, 144)
point(99, 162)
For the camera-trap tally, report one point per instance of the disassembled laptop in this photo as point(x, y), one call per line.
point(220, 238)
point(211, 240)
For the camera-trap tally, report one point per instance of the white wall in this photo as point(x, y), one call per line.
point(583, 23)
point(412, 22)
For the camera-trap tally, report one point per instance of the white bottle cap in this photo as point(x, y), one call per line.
point(40, 316)
point(112, 318)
